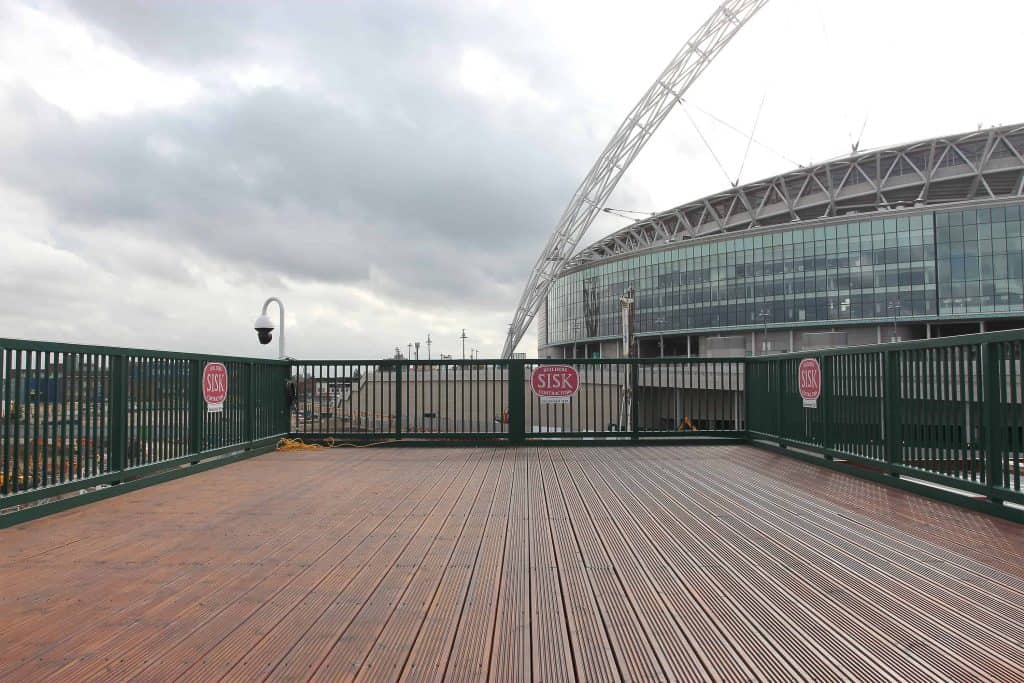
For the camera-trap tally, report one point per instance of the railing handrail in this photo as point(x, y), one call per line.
point(934, 343)
point(65, 347)
point(527, 361)
point(938, 342)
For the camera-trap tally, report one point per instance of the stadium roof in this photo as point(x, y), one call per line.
point(984, 164)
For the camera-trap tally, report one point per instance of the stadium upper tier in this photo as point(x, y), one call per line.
point(987, 163)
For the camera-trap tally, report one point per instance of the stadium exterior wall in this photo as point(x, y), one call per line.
point(861, 278)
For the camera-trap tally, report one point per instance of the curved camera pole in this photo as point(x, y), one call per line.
point(698, 52)
point(280, 327)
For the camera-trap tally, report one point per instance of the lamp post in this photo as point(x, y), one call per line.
point(894, 308)
point(265, 328)
point(428, 345)
point(765, 314)
point(659, 324)
point(417, 350)
point(463, 338)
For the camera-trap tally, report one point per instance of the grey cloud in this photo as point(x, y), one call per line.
point(406, 174)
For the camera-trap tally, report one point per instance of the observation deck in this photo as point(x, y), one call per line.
point(515, 563)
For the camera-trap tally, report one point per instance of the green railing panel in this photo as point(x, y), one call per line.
point(493, 399)
point(75, 416)
point(946, 410)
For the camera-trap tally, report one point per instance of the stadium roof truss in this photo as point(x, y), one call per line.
point(987, 163)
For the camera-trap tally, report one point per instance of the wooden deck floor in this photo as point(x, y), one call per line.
point(652, 563)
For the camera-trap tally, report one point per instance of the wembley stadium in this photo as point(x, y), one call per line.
point(911, 241)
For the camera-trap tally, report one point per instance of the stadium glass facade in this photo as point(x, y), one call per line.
point(911, 266)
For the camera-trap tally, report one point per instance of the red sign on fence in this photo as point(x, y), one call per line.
point(809, 375)
point(555, 383)
point(215, 386)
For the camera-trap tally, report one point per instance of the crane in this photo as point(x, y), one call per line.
point(668, 90)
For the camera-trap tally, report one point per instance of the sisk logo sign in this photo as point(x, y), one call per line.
point(215, 386)
point(555, 383)
point(809, 381)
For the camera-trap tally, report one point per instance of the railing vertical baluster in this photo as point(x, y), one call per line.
point(9, 415)
point(131, 427)
point(49, 455)
point(398, 399)
point(79, 389)
point(92, 361)
point(117, 423)
point(85, 433)
point(195, 414)
point(250, 403)
point(35, 417)
point(18, 466)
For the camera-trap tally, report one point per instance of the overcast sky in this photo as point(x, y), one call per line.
point(391, 169)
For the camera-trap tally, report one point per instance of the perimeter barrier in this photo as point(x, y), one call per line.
point(493, 400)
point(947, 411)
point(77, 418)
point(944, 417)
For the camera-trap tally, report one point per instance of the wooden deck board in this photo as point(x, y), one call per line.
point(540, 563)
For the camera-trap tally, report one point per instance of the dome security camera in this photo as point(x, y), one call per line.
point(264, 329)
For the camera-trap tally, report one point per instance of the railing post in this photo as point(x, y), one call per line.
point(398, 399)
point(892, 411)
point(118, 421)
point(746, 364)
point(634, 399)
point(250, 403)
point(780, 399)
point(285, 398)
point(516, 400)
point(992, 427)
point(195, 409)
point(825, 405)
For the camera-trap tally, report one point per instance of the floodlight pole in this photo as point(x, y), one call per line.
point(280, 326)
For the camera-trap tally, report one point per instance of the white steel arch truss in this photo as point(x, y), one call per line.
point(588, 200)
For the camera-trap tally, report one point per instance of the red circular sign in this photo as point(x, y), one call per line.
point(215, 383)
point(810, 379)
point(555, 380)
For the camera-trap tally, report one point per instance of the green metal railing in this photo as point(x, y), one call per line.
point(492, 400)
point(74, 417)
point(948, 411)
